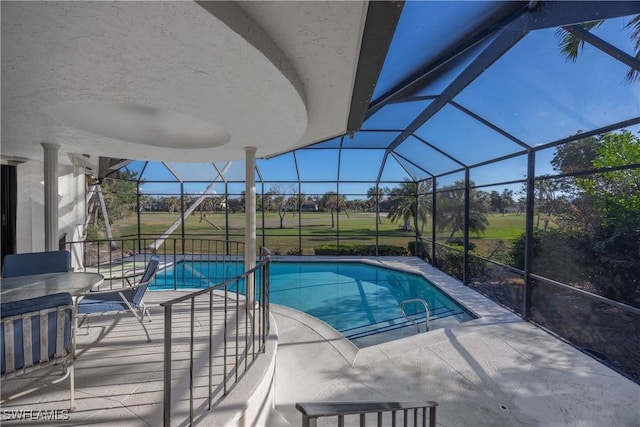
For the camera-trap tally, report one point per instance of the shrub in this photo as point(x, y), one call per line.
point(460, 243)
point(450, 259)
point(360, 250)
point(390, 250)
point(421, 250)
point(587, 262)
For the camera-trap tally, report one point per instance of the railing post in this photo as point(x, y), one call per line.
point(432, 416)
point(253, 321)
point(267, 301)
point(309, 421)
point(224, 338)
point(167, 366)
point(246, 321)
point(175, 270)
point(237, 324)
point(210, 345)
point(263, 308)
point(138, 217)
point(191, 333)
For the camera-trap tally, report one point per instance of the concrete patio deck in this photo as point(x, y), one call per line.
point(496, 370)
point(508, 374)
point(119, 375)
point(493, 371)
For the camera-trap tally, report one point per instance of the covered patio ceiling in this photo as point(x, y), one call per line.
point(183, 81)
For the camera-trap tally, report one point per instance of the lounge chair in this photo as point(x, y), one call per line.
point(37, 332)
point(36, 263)
point(128, 298)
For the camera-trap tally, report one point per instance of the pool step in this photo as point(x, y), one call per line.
point(397, 323)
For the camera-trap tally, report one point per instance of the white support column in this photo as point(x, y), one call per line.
point(250, 220)
point(50, 196)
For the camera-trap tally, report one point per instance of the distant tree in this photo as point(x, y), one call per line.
point(187, 201)
point(259, 203)
point(334, 203)
point(500, 202)
point(293, 202)
point(375, 195)
point(576, 156)
point(235, 204)
point(207, 206)
point(507, 200)
point(145, 202)
point(521, 205)
point(599, 209)
point(545, 200)
point(170, 204)
point(357, 205)
point(450, 210)
point(280, 202)
point(616, 197)
point(405, 205)
point(266, 202)
point(241, 202)
point(616, 193)
point(495, 200)
point(577, 211)
point(120, 193)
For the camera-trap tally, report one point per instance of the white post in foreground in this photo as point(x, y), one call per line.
point(250, 221)
point(50, 196)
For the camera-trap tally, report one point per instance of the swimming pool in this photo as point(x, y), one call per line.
point(359, 300)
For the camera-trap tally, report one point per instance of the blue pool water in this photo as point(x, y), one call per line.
point(357, 299)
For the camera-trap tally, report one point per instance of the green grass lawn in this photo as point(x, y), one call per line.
point(357, 228)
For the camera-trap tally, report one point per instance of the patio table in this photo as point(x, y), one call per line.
point(37, 285)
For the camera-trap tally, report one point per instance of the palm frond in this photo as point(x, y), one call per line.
point(571, 45)
point(634, 24)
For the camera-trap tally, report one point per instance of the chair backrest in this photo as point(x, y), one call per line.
point(147, 276)
point(150, 270)
point(36, 263)
point(35, 331)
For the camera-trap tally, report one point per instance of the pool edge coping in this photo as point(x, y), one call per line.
point(487, 311)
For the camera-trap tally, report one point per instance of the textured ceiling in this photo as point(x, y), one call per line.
point(178, 81)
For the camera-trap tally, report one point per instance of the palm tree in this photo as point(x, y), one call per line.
point(571, 45)
point(374, 197)
point(330, 202)
point(450, 211)
point(405, 204)
point(334, 202)
point(507, 200)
